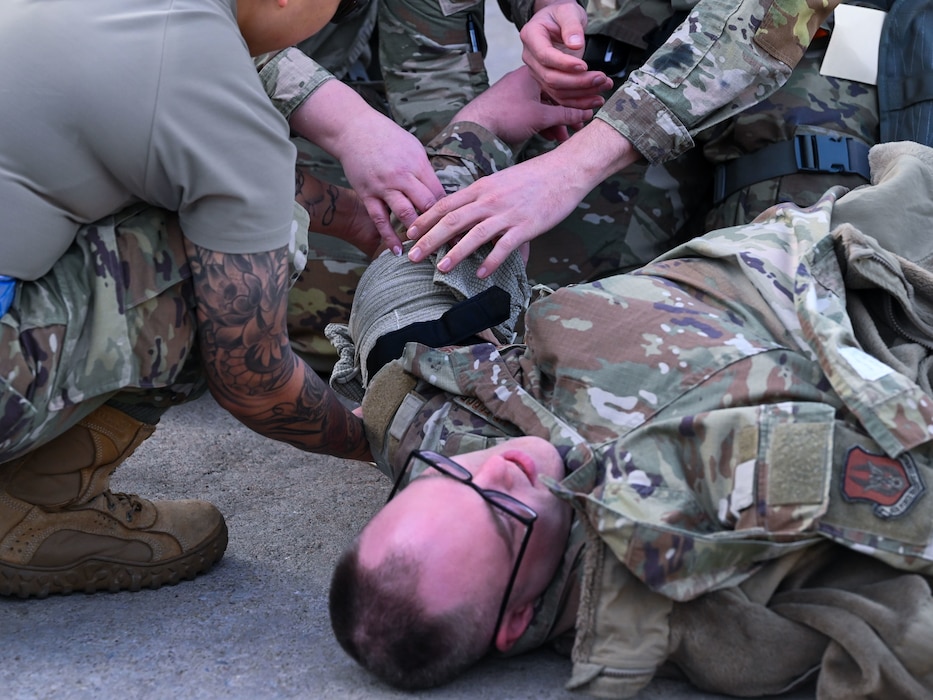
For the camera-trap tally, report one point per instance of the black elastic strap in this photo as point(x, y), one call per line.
point(805, 153)
point(456, 326)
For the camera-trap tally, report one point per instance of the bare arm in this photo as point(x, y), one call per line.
point(511, 207)
point(250, 366)
point(336, 211)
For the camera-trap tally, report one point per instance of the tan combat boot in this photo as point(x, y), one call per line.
point(63, 530)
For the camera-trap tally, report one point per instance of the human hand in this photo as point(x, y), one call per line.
point(386, 166)
point(553, 41)
point(513, 110)
point(389, 170)
point(517, 204)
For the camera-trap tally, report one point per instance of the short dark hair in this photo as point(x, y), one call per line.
point(379, 621)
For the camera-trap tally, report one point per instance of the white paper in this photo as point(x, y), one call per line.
point(852, 53)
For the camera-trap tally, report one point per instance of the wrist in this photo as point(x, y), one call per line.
point(322, 117)
point(598, 151)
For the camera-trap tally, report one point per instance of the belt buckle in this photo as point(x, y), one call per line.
point(820, 153)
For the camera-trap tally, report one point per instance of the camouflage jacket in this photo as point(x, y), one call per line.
point(770, 392)
point(708, 70)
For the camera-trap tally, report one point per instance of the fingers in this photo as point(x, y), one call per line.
point(500, 251)
point(420, 195)
point(433, 229)
point(379, 214)
point(566, 116)
point(402, 206)
point(539, 54)
point(555, 133)
point(448, 220)
point(482, 233)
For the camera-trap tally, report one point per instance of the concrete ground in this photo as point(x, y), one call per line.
point(256, 626)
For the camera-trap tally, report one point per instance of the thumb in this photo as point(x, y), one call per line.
point(571, 32)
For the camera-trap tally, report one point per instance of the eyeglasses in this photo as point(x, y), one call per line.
point(348, 9)
point(509, 505)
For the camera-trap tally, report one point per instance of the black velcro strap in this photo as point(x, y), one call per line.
point(456, 326)
point(805, 153)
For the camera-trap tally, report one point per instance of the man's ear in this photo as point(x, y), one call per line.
point(513, 625)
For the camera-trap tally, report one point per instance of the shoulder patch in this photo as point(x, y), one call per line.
point(892, 486)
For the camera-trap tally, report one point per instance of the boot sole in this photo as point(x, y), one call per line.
point(93, 575)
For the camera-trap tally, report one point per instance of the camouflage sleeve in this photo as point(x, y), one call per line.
point(289, 77)
point(727, 56)
point(464, 152)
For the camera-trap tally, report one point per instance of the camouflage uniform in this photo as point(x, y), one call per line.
point(775, 396)
point(660, 104)
point(430, 72)
point(636, 215)
point(423, 73)
point(428, 62)
point(89, 331)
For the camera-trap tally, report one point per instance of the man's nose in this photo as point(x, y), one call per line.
point(495, 473)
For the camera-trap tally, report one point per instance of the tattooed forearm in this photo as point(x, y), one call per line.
point(336, 211)
point(241, 319)
point(321, 413)
point(319, 198)
point(250, 366)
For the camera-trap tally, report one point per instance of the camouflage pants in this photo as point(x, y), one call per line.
point(114, 315)
point(427, 61)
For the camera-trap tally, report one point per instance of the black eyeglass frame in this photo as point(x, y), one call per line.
point(527, 515)
point(348, 9)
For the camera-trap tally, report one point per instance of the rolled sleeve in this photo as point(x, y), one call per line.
point(726, 57)
point(289, 77)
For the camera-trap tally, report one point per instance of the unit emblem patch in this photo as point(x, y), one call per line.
point(892, 486)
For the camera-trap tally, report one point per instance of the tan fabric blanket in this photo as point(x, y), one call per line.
point(866, 630)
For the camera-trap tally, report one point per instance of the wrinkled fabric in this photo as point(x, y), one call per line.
point(715, 412)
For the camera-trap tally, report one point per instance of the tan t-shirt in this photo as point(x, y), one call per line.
point(107, 103)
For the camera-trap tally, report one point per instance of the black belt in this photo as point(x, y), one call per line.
point(805, 153)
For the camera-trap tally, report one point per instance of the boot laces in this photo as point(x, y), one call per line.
point(129, 502)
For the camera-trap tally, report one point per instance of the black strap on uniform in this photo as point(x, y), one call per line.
point(805, 153)
point(456, 326)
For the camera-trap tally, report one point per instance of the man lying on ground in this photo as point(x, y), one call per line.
point(715, 467)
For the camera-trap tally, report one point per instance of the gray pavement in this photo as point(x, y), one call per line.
point(256, 626)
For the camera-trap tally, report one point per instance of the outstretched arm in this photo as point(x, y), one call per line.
point(653, 115)
point(251, 369)
point(384, 163)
